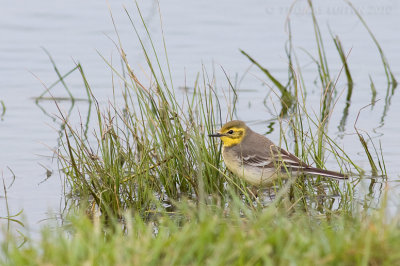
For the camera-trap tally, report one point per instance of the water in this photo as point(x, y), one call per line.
point(198, 33)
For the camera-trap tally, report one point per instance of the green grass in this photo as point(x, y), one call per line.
point(208, 234)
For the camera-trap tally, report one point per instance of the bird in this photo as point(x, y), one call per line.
point(257, 160)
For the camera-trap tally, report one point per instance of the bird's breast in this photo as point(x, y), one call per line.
point(256, 176)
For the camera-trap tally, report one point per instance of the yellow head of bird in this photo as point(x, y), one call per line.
point(232, 133)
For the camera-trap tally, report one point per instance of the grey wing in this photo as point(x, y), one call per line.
point(274, 156)
point(258, 160)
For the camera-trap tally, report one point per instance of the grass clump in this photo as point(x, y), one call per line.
point(153, 147)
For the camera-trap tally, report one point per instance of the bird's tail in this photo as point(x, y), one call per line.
point(322, 172)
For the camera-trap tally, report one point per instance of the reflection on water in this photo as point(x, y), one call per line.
point(3, 110)
point(195, 35)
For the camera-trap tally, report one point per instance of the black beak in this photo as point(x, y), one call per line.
point(215, 135)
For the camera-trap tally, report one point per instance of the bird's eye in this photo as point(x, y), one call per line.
point(230, 131)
